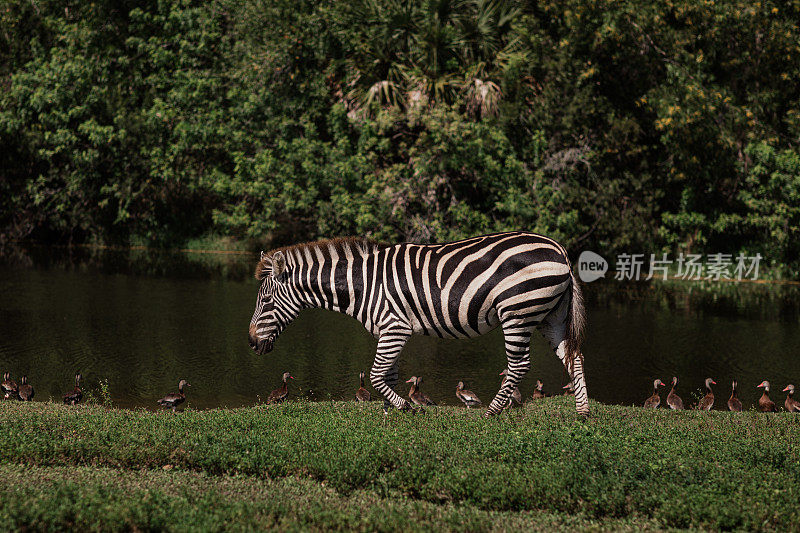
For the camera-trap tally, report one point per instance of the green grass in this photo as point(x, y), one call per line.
point(103, 498)
point(335, 465)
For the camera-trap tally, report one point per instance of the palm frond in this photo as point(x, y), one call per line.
point(483, 97)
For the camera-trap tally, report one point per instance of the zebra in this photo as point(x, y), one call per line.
point(515, 280)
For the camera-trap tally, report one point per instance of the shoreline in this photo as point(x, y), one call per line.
point(244, 252)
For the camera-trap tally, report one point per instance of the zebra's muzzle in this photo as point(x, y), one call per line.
point(261, 346)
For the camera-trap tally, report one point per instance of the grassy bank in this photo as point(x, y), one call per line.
point(103, 498)
point(335, 465)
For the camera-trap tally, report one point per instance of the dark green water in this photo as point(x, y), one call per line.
point(144, 320)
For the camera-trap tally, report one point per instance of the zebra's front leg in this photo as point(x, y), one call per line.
point(518, 355)
point(391, 379)
point(383, 374)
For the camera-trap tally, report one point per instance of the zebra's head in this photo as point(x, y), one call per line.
point(274, 310)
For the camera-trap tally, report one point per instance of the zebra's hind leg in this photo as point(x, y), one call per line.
point(554, 329)
point(384, 375)
point(518, 355)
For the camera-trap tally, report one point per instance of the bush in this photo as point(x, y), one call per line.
point(627, 126)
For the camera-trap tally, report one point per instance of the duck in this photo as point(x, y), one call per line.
point(9, 386)
point(362, 394)
point(538, 392)
point(791, 405)
point(707, 402)
point(765, 405)
point(281, 393)
point(655, 400)
point(733, 402)
point(174, 400)
point(25, 390)
point(569, 390)
point(417, 396)
point(469, 398)
point(71, 398)
point(515, 400)
point(673, 400)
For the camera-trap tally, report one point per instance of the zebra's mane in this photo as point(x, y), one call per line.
point(357, 246)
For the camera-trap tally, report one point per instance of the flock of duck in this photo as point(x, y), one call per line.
point(706, 403)
point(24, 391)
point(467, 397)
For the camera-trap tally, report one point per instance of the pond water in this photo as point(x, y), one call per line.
point(142, 320)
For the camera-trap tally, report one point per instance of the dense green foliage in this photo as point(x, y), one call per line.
point(631, 125)
point(714, 470)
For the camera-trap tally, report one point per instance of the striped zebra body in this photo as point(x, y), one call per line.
point(514, 280)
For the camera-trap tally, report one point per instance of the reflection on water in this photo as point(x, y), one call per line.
point(144, 319)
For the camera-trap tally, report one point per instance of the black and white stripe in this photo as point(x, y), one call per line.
point(514, 280)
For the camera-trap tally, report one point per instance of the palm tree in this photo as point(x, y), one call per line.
point(411, 55)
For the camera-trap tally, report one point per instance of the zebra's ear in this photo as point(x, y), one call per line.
point(278, 264)
point(262, 255)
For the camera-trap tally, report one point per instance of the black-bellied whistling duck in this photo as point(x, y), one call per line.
point(765, 405)
point(469, 398)
point(655, 400)
point(707, 401)
point(9, 386)
point(76, 395)
point(173, 400)
point(362, 394)
point(416, 395)
point(282, 392)
point(25, 390)
point(673, 400)
point(569, 390)
point(791, 405)
point(733, 402)
point(538, 392)
point(516, 396)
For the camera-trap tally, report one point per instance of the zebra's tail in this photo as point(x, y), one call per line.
point(576, 322)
